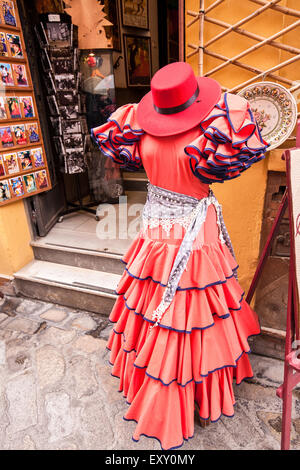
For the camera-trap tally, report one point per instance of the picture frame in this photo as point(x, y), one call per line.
point(137, 60)
point(135, 13)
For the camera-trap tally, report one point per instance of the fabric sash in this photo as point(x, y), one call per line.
point(161, 204)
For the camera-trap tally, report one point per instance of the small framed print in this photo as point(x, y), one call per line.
point(3, 114)
point(20, 74)
point(53, 106)
point(4, 191)
point(30, 183)
point(15, 45)
point(37, 157)
point(138, 60)
point(41, 179)
point(6, 76)
point(2, 167)
point(27, 105)
point(135, 13)
point(20, 134)
point(6, 137)
point(3, 45)
point(17, 186)
point(8, 12)
point(33, 132)
point(25, 160)
point(11, 162)
point(13, 105)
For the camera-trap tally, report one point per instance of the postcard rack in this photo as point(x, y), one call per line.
point(23, 165)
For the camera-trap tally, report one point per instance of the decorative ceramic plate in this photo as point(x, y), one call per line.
point(274, 109)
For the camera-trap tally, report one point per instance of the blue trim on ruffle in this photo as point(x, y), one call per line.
point(222, 317)
point(180, 288)
point(191, 380)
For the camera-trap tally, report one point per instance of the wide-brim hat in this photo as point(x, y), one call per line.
point(178, 100)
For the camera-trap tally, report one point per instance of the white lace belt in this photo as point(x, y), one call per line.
point(166, 208)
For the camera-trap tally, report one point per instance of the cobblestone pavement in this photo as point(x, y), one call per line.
point(57, 392)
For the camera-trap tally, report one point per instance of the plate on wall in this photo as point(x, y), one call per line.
point(274, 109)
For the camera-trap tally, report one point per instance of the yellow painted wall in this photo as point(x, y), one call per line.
point(243, 198)
point(14, 238)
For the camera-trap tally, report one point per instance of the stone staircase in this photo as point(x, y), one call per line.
point(73, 267)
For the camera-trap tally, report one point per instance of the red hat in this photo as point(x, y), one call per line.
point(177, 101)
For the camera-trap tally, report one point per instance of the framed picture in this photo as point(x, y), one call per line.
point(11, 162)
point(6, 137)
point(25, 160)
point(30, 183)
point(41, 179)
point(135, 13)
point(138, 60)
point(33, 132)
point(20, 134)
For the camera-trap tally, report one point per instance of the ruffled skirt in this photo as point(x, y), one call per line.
point(200, 345)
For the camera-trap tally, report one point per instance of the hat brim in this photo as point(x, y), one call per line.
point(158, 124)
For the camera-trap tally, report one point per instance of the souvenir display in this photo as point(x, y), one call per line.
point(59, 58)
point(275, 110)
point(21, 143)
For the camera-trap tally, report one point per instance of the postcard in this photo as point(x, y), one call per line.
point(11, 161)
point(20, 74)
point(27, 106)
point(14, 107)
point(4, 191)
point(15, 45)
point(6, 77)
point(33, 132)
point(25, 160)
point(6, 137)
point(17, 186)
point(2, 168)
point(30, 183)
point(3, 114)
point(37, 157)
point(8, 12)
point(3, 45)
point(20, 134)
point(41, 179)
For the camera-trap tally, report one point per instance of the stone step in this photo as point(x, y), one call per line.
point(80, 257)
point(76, 287)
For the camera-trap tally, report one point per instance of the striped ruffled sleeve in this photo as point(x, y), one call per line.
point(229, 144)
point(119, 137)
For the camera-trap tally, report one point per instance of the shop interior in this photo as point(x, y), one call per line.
point(87, 178)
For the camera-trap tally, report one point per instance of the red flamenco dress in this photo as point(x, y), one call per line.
point(200, 344)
